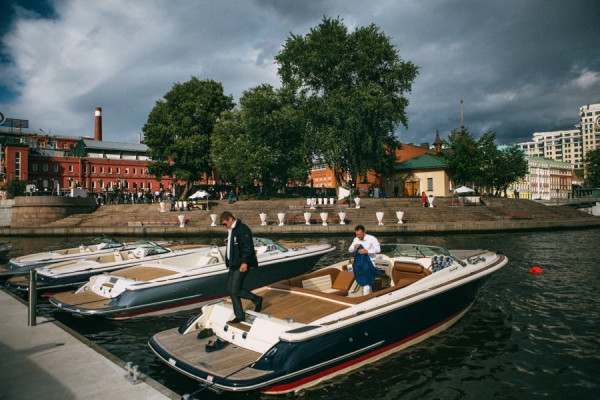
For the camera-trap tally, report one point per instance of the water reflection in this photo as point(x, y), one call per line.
point(527, 336)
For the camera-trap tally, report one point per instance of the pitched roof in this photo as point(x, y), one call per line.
point(114, 146)
point(426, 161)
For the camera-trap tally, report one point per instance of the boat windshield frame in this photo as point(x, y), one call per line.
point(155, 249)
point(412, 250)
point(271, 245)
point(109, 242)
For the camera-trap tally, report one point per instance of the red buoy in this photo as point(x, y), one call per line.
point(535, 270)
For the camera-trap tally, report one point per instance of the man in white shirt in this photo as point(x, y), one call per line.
point(369, 243)
point(370, 246)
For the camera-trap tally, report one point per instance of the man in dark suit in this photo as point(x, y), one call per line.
point(239, 258)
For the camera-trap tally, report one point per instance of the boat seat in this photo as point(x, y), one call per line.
point(327, 280)
point(206, 260)
point(118, 256)
point(403, 274)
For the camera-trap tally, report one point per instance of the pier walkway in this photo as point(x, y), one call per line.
point(49, 361)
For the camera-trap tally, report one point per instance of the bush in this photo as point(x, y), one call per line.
point(15, 188)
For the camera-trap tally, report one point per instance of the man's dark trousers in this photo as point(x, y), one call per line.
point(235, 282)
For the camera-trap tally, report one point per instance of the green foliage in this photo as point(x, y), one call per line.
point(350, 88)
point(592, 169)
point(179, 128)
point(480, 163)
point(15, 188)
point(464, 160)
point(261, 140)
point(510, 167)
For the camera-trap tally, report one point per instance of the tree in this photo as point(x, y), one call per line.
point(592, 168)
point(179, 128)
point(15, 188)
point(489, 158)
point(464, 160)
point(351, 88)
point(263, 140)
point(479, 162)
point(510, 167)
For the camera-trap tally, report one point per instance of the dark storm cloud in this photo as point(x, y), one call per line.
point(519, 66)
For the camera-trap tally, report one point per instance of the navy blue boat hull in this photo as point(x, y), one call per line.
point(295, 365)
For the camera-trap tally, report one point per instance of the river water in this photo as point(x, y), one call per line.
point(526, 337)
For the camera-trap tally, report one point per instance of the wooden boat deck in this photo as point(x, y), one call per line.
point(230, 361)
point(298, 307)
point(88, 300)
point(142, 273)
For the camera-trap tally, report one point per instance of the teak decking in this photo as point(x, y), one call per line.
point(296, 306)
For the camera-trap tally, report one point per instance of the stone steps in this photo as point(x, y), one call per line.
point(495, 209)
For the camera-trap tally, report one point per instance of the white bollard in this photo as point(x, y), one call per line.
point(331, 200)
point(313, 203)
point(342, 217)
point(263, 218)
point(324, 218)
point(163, 206)
point(400, 215)
point(379, 215)
point(357, 201)
point(308, 201)
point(281, 217)
point(213, 218)
point(307, 218)
point(181, 219)
point(320, 200)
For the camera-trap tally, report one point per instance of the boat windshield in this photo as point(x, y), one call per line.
point(109, 243)
point(271, 245)
point(412, 250)
point(151, 248)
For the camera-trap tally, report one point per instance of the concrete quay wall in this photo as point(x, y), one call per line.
point(304, 230)
point(25, 211)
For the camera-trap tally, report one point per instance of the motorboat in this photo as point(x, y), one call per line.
point(318, 325)
point(182, 283)
point(23, 264)
point(73, 273)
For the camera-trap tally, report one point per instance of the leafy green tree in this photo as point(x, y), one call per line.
point(592, 168)
point(262, 140)
point(15, 188)
point(179, 128)
point(489, 157)
point(510, 167)
point(351, 88)
point(464, 161)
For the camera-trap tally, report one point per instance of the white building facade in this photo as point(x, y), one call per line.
point(590, 126)
point(546, 180)
point(569, 146)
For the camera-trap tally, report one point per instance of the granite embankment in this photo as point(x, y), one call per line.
point(498, 214)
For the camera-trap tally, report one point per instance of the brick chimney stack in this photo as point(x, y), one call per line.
point(98, 124)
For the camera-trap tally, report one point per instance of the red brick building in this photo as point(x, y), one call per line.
point(55, 163)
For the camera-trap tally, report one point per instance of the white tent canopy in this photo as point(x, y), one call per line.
point(343, 193)
point(200, 194)
point(463, 189)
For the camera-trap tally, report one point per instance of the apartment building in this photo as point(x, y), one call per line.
point(569, 146)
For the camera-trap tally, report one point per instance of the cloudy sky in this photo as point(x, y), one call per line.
point(520, 66)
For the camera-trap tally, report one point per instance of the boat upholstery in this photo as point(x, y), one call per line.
point(403, 274)
point(327, 280)
point(118, 256)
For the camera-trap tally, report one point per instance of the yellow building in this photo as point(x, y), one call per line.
point(426, 173)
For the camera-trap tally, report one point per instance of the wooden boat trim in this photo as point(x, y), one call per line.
point(142, 273)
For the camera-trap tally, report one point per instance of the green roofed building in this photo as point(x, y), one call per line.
point(426, 173)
